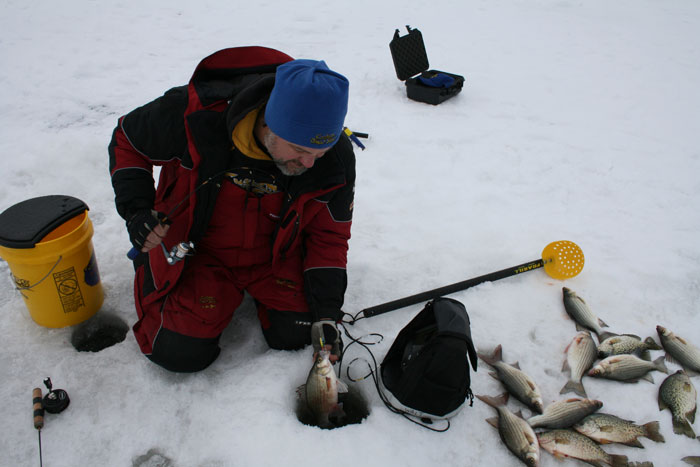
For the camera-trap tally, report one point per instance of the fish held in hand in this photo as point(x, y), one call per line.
point(568, 443)
point(678, 394)
point(320, 393)
point(627, 368)
point(518, 383)
point(580, 355)
point(515, 432)
point(578, 310)
point(563, 414)
point(605, 428)
point(626, 344)
point(680, 350)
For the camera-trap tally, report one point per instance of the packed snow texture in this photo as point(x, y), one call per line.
point(578, 121)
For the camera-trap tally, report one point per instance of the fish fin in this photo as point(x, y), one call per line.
point(605, 335)
point(645, 355)
point(651, 431)
point(580, 328)
point(662, 404)
point(646, 377)
point(519, 413)
point(565, 366)
point(603, 325)
point(342, 387)
point(651, 343)
point(494, 375)
point(692, 460)
point(691, 373)
point(493, 421)
point(633, 335)
point(659, 363)
point(669, 358)
point(617, 460)
point(301, 392)
point(682, 427)
point(574, 386)
point(691, 415)
point(516, 365)
point(634, 443)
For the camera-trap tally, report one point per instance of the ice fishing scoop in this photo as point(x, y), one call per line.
point(561, 260)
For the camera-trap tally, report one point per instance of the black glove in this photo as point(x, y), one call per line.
point(327, 330)
point(140, 224)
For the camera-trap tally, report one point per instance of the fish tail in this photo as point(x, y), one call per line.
point(574, 386)
point(494, 401)
point(659, 364)
point(651, 431)
point(494, 358)
point(682, 427)
point(617, 460)
point(651, 343)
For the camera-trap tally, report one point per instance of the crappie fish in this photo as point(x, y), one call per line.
point(321, 391)
point(580, 355)
point(628, 368)
point(680, 350)
point(563, 414)
point(626, 344)
point(515, 433)
point(518, 384)
point(568, 443)
point(605, 429)
point(678, 394)
point(579, 311)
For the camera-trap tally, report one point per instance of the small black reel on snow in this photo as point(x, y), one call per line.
point(56, 400)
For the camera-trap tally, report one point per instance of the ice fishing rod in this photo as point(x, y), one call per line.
point(561, 260)
point(55, 401)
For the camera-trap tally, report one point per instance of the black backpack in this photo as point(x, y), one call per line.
point(427, 367)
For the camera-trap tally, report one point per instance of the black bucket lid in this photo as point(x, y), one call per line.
point(25, 224)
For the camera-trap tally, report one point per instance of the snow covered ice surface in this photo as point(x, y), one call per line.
point(578, 121)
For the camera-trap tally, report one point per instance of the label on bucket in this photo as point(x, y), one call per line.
point(69, 290)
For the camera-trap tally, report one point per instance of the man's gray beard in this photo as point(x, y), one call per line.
point(269, 141)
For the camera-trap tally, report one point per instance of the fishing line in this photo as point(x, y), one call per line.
point(423, 422)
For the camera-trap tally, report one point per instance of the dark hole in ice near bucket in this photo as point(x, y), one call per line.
point(99, 332)
point(354, 406)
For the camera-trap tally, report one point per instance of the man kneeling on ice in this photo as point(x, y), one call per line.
point(255, 194)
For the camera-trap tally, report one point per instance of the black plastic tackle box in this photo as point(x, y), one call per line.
point(411, 64)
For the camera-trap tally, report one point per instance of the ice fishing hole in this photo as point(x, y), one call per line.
point(354, 406)
point(99, 332)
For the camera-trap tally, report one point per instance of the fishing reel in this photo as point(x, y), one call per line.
point(56, 400)
point(178, 252)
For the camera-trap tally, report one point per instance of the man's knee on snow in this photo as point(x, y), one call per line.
point(285, 330)
point(183, 354)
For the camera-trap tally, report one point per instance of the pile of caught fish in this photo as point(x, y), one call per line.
point(573, 427)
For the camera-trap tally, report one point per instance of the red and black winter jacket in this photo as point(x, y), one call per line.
point(187, 132)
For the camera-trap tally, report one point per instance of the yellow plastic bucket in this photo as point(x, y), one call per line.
point(47, 243)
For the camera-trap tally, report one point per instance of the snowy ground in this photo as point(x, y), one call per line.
point(578, 121)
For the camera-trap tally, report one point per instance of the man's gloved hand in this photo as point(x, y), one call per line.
point(145, 229)
point(327, 331)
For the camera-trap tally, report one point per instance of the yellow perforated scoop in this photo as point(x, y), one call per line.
point(562, 259)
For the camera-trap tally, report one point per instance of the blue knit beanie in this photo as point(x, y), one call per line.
point(308, 104)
